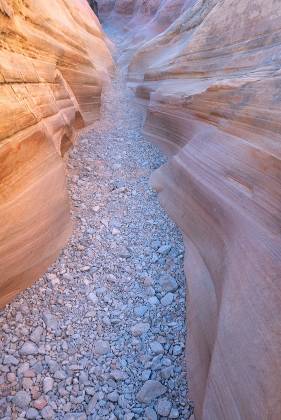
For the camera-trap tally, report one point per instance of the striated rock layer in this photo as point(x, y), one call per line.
point(211, 82)
point(53, 63)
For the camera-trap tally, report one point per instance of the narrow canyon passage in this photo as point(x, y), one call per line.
point(102, 334)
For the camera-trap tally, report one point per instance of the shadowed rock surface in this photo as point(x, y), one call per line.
point(53, 63)
point(94, 6)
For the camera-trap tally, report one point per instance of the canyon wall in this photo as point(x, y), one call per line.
point(54, 61)
point(211, 83)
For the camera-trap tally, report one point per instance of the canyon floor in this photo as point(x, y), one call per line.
point(102, 334)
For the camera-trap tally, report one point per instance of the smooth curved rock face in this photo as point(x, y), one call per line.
point(211, 82)
point(53, 63)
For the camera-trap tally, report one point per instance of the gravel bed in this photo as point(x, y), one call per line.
point(102, 334)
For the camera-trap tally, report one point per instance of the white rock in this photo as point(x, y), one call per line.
point(156, 347)
point(29, 348)
point(174, 414)
point(48, 413)
point(36, 334)
point(113, 396)
point(48, 384)
point(92, 404)
point(153, 300)
point(140, 328)
point(22, 399)
point(150, 390)
point(164, 249)
point(167, 299)
point(93, 297)
point(164, 407)
point(32, 413)
point(50, 320)
point(150, 414)
point(10, 360)
point(118, 375)
point(168, 283)
point(101, 347)
point(140, 310)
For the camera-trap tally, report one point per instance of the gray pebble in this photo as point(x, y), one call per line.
point(163, 407)
point(22, 399)
point(29, 348)
point(167, 299)
point(150, 390)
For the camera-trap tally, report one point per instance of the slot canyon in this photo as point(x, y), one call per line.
point(140, 247)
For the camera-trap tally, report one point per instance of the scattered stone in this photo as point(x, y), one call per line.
point(90, 390)
point(75, 416)
point(150, 414)
point(29, 348)
point(40, 403)
point(150, 390)
point(50, 321)
point(101, 347)
point(32, 413)
point(48, 384)
point(113, 396)
point(153, 300)
point(168, 283)
point(84, 378)
point(29, 373)
point(92, 404)
point(174, 414)
point(156, 347)
point(141, 310)
point(118, 375)
point(163, 407)
point(164, 249)
point(93, 298)
point(146, 375)
point(167, 299)
point(22, 399)
point(11, 377)
point(167, 372)
point(48, 413)
point(177, 350)
point(140, 329)
point(36, 334)
point(10, 360)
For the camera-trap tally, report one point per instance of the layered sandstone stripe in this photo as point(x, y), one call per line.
point(211, 82)
point(53, 63)
point(212, 85)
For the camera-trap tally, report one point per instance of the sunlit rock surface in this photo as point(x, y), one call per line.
point(211, 82)
point(53, 63)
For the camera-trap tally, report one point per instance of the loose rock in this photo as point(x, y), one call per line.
point(150, 390)
point(22, 399)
